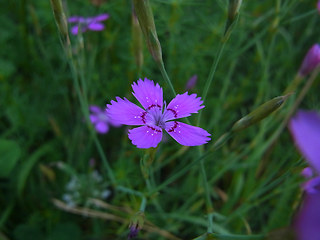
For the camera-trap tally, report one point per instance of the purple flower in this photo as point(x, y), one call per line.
point(307, 172)
point(99, 119)
point(310, 61)
point(156, 116)
point(192, 82)
point(90, 23)
point(305, 129)
point(307, 221)
point(318, 6)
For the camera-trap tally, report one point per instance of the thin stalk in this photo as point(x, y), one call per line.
point(83, 102)
point(207, 193)
point(143, 204)
point(166, 77)
point(211, 75)
point(130, 191)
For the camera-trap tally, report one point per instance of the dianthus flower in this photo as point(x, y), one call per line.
point(89, 23)
point(156, 116)
point(99, 119)
point(305, 129)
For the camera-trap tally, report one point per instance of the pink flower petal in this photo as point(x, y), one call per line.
point(187, 135)
point(305, 129)
point(75, 30)
point(125, 112)
point(311, 60)
point(94, 118)
point(182, 106)
point(95, 26)
point(101, 17)
point(307, 221)
point(148, 94)
point(102, 127)
point(312, 186)
point(145, 136)
point(74, 19)
point(95, 109)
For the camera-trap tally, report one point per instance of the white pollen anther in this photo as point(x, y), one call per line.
point(179, 131)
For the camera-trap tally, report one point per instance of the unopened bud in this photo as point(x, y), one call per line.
point(60, 17)
point(259, 113)
point(136, 224)
point(137, 40)
point(233, 11)
point(146, 21)
point(310, 61)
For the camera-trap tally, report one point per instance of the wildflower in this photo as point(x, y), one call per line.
point(192, 82)
point(99, 119)
point(153, 119)
point(305, 129)
point(318, 6)
point(90, 23)
point(310, 61)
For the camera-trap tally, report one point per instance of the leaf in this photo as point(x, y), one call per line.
point(9, 155)
point(28, 164)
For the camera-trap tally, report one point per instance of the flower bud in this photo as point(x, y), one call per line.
point(136, 224)
point(233, 11)
point(259, 113)
point(60, 17)
point(192, 82)
point(137, 41)
point(310, 61)
point(146, 21)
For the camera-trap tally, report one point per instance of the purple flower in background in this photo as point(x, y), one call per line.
point(192, 82)
point(310, 61)
point(318, 6)
point(99, 119)
point(89, 23)
point(305, 129)
point(156, 116)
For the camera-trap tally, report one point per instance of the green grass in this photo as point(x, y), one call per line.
point(251, 187)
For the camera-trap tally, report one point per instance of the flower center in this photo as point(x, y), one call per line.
point(155, 116)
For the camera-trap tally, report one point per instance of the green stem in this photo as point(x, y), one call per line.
point(143, 204)
point(84, 105)
point(166, 77)
point(130, 191)
point(207, 193)
point(211, 75)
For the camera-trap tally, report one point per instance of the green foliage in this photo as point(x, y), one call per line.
point(241, 185)
point(10, 153)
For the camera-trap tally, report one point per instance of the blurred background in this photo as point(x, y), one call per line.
point(50, 162)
